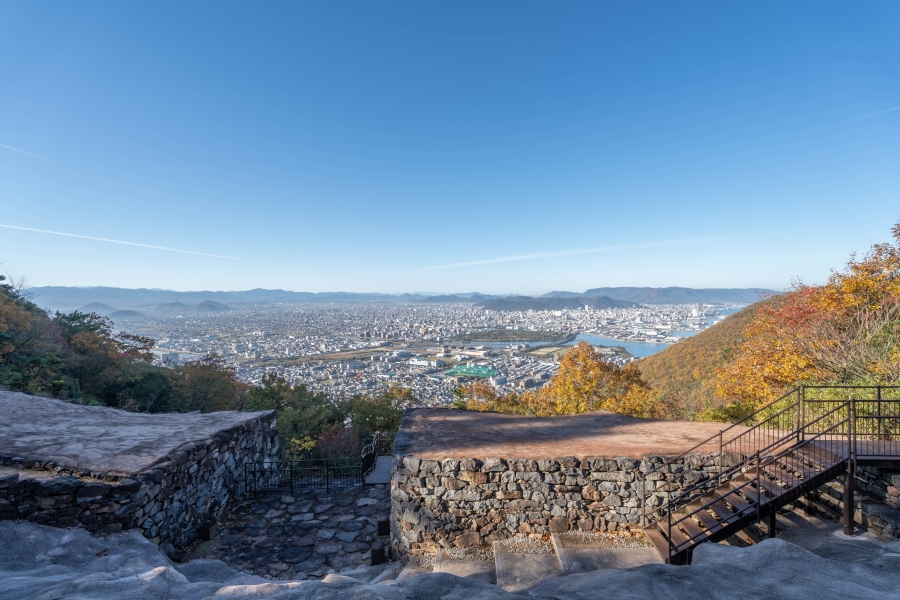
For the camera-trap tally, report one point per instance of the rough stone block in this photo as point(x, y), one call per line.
point(466, 540)
point(559, 525)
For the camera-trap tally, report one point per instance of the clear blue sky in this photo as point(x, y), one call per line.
point(446, 146)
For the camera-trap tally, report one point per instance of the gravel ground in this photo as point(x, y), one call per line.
point(524, 545)
point(605, 540)
point(476, 553)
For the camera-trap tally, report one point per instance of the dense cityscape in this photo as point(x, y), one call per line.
point(349, 349)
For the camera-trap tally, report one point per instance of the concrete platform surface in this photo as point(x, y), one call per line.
point(101, 439)
point(520, 571)
point(441, 433)
point(479, 570)
point(583, 555)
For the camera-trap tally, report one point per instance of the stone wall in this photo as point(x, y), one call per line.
point(170, 502)
point(470, 502)
point(877, 500)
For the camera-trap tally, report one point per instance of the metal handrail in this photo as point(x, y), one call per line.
point(757, 458)
point(800, 431)
point(742, 464)
point(718, 435)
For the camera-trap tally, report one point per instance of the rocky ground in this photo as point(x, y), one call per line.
point(38, 562)
point(304, 536)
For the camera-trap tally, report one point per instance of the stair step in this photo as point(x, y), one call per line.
point(725, 514)
point(659, 542)
point(770, 488)
point(781, 474)
point(678, 537)
point(703, 515)
point(819, 457)
point(818, 449)
point(725, 493)
point(693, 530)
point(798, 466)
point(753, 494)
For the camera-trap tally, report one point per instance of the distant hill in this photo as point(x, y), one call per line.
point(211, 306)
point(561, 295)
point(97, 307)
point(683, 371)
point(680, 295)
point(529, 303)
point(456, 299)
point(125, 314)
point(70, 298)
point(173, 307)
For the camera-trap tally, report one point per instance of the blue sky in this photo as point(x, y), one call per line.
point(447, 147)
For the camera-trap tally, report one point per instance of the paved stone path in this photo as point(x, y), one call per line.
point(302, 536)
point(382, 471)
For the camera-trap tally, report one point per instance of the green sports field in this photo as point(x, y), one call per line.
point(467, 371)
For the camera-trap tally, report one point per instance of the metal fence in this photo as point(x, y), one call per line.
point(327, 474)
point(291, 476)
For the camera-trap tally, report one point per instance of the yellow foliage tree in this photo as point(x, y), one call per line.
point(585, 382)
point(847, 330)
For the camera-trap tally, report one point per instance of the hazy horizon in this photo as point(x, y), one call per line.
point(371, 148)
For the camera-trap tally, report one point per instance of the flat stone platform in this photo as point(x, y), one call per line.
point(442, 433)
point(100, 439)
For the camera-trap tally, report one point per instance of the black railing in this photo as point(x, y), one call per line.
point(382, 444)
point(291, 476)
point(318, 474)
point(826, 425)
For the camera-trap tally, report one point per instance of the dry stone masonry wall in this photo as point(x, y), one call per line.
point(169, 503)
point(459, 503)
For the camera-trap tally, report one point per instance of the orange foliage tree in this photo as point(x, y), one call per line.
point(846, 331)
point(585, 382)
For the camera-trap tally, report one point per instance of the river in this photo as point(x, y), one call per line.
point(642, 349)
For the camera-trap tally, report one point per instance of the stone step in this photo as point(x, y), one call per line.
point(479, 570)
point(583, 556)
point(517, 572)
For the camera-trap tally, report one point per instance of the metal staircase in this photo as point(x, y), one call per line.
point(781, 452)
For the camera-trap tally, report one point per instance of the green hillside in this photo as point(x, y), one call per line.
point(682, 372)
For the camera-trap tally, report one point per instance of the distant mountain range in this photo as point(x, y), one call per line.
point(680, 295)
point(156, 300)
point(528, 303)
point(169, 307)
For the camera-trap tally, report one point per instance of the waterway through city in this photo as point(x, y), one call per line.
point(644, 349)
point(638, 349)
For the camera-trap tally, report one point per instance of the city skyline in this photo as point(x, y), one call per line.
point(468, 147)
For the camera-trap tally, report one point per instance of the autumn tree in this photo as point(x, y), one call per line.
point(585, 382)
point(381, 412)
point(845, 331)
point(209, 384)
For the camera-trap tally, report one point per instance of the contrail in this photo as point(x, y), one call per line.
point(30, 154)
point(518, 257)
point(99, 239)
point(854, 120)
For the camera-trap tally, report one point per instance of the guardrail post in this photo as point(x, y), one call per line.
point(849, 509)
point(721, 462)
point(758, 489)
point(669, 531)
point(878, 399)
point(643, 500)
